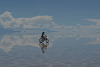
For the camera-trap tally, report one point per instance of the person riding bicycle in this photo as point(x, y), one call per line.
point(43, 36)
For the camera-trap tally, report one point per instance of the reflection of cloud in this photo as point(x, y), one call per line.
point(9, 41)
point(97, 41)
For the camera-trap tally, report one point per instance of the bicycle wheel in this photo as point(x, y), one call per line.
point(47, 41)
point(41, 40)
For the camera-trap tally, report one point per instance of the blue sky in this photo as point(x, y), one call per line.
point(64, 12)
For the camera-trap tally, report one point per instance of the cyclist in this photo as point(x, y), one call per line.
point(43, 36)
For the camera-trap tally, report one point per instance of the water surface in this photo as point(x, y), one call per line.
point(66, 49)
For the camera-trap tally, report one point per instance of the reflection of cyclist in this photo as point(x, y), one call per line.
point(43, 46)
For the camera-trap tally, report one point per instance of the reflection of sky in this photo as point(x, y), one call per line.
point(72, 46)
point(64, 52)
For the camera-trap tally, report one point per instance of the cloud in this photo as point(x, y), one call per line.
point(97, 21)
point(97, 41)
point(40, 22)
point(8, 21)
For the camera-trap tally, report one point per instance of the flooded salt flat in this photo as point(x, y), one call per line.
point(80, 49)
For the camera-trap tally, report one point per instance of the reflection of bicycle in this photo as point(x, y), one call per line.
point(43, 46)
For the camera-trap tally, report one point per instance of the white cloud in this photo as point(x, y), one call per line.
point(97, 21)
point(8, 21)
point(41, 22)
point(97, 41)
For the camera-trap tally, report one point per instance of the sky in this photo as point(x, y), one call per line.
point(63, 12)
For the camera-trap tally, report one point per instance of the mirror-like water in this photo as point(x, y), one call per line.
point(71, 47)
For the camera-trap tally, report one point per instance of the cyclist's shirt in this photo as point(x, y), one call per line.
point(44, 36)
